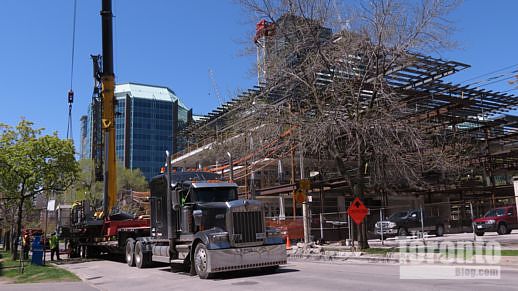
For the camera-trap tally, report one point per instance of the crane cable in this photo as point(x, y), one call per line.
point(71, 91)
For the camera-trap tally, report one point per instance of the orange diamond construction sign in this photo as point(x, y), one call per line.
point(357, 210)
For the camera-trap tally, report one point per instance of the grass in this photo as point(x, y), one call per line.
point(510, 253)
point(32, 273)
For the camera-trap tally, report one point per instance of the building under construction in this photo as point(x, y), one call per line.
point(228, 141)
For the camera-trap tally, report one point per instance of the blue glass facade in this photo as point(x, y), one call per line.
point(145, 126)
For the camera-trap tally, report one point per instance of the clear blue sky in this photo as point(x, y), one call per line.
point(174, 44)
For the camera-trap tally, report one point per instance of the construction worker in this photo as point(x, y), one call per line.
point(54, 247)
point(26, 245)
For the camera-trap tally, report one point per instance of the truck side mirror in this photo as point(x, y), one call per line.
point(175, 199)
point(197, 214)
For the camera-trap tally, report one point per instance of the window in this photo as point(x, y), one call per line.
point(215, 194)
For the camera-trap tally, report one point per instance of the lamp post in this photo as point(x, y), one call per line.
point(231, 163)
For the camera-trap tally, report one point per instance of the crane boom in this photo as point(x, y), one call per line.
point(108, 108)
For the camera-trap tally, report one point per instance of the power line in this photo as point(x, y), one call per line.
point(71, 91)
point(73, 45)
point(493, 79)
point(496, 71)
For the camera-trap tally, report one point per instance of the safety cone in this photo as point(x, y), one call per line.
point(288, 243)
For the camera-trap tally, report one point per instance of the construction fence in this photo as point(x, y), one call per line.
point(454, 216)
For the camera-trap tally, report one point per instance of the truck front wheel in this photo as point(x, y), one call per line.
point(201, 262)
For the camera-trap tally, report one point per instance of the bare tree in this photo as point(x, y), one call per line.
point(332, 87)
point(339, 92)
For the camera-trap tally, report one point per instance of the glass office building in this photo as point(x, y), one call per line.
point(147, 121)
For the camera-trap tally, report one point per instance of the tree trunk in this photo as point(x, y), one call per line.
point(358, 190)
point(18, 229)
point(7, 240)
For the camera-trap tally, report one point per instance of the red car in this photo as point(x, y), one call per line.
point(502, 220)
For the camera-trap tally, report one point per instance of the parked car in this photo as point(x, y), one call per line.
point(404, 222)
point(502, 220)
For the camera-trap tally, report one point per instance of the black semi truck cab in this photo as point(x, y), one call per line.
point(198, 222)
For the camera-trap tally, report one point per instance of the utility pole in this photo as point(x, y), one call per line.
point(305, 208)
point(293, 181)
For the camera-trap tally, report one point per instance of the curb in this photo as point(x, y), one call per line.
point(329, 258)
point(505, 260)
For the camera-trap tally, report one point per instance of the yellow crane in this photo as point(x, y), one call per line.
point(108, 109)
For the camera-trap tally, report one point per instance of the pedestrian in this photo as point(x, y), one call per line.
point(26, 246)
point(54, 247)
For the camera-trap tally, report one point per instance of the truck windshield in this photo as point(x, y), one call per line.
point(495, 212)
point(397, 215)
point(219, 194)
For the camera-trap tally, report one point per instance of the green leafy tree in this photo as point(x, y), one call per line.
point(130, 179)
point(85, 187)
point(127, 180)
point(31, 164)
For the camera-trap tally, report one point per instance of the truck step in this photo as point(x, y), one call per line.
point(177, 261)
point(183, 248)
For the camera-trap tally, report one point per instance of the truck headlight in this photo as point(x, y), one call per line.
point(491, 221)
point(218, 237)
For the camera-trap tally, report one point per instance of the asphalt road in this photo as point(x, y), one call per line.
point(75, 286)
point(297, 275)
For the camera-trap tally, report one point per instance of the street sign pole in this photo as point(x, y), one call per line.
point(472, 224)
point(351, 231)
point(381, 226)
point(321, 226)
point(45, 233)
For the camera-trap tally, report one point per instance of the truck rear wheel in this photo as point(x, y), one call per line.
point(439, 230)
point(82, 252)
point(130, 252)
point(142, 259)
point(201, 261)
point(74, 250)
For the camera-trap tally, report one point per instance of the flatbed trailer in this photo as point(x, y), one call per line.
point(89, 237)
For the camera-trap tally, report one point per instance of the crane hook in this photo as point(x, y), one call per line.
point(70, 96)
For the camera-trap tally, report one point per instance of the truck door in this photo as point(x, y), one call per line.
point(511, 217)
point(158, 207)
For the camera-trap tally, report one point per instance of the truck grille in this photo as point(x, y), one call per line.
point(246, 227)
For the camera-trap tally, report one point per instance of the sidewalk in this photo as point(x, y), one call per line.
point(338, 253)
